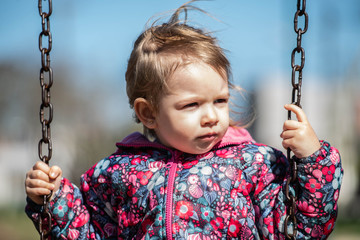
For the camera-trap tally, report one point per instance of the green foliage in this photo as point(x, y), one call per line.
point(14, 225)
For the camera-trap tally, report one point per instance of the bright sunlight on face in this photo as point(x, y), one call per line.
point(194, 115)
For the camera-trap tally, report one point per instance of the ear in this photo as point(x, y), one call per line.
point(145, 112)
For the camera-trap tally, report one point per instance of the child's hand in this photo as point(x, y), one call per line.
point(41, 180)
point(299, 135)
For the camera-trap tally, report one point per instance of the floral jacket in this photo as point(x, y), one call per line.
point(236, 191)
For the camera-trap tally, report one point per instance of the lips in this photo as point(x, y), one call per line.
point(209, 136)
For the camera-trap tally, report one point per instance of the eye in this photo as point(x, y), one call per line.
point(191, 105)
point(221, 100)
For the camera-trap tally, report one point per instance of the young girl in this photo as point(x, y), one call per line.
point(201, 177)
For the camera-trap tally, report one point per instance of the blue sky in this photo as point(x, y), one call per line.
point(94, 37)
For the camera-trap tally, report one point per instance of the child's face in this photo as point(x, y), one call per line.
point(194, 115)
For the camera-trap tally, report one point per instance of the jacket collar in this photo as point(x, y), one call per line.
point(233, 136)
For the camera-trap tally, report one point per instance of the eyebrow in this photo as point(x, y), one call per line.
point(195, 98)
point(224, 92)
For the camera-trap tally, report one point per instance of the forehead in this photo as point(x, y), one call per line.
point(196, 76)
point(170, 63)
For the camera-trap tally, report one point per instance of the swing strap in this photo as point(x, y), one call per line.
point(291, 196)
point(46, 110)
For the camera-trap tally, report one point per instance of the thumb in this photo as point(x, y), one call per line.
point(55, 172)
point(300, 114)
point(55, 175)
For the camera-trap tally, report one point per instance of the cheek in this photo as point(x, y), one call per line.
point(224, 115)
point(175, 121)
point(185, 122)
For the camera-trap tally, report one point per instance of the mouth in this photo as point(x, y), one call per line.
point(208, 137)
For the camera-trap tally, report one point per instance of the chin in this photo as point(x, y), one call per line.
point(194, 151)
point(200, 151)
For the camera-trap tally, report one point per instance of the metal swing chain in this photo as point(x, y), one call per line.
point(46, 110)
point(290, 219)
point(45, 216)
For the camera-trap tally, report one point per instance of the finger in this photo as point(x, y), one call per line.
point(38, 174)
point(55, 172)
point(291, 125)
point(37, 183)
point(36, 194)
point(288, 134)
point(39, 165)
point(39, 192)
point(287, 143)
point(300, 114)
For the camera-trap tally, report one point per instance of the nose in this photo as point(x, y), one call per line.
point(209, 117)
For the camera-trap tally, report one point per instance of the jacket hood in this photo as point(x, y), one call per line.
point(234, 135)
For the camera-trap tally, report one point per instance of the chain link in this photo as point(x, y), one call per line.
point(46, 110)
point(296, 82)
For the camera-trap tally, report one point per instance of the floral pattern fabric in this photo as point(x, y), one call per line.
point(235, 191)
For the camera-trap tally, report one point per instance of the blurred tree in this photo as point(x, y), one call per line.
point(80, 132)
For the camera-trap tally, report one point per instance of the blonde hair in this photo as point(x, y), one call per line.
point(161, 49)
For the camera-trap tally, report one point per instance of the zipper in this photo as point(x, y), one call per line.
point(169, 197)
point(172, 165)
